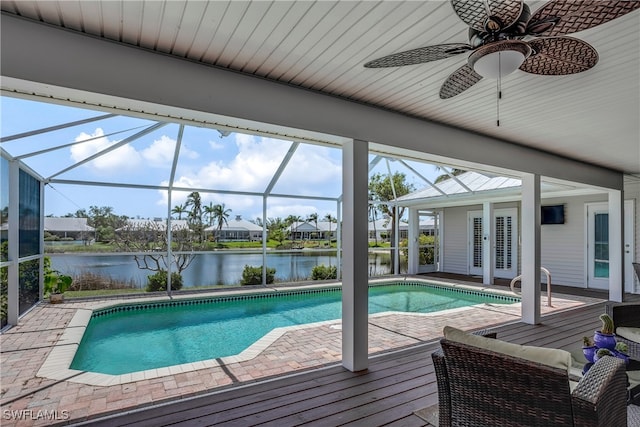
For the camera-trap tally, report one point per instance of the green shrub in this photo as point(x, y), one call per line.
point(54, 282)
point(324, 272)
point(158, 282)
point(253, 275)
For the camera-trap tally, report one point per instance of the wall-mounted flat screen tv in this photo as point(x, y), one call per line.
point(552, 214)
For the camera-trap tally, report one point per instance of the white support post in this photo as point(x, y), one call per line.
point(169, 242)
point(339, 239)
point(396, 237)
point(13, 305)
point(264, 240)
point(413, 241)
point(354, 254)
point(488, 254)
point(531, 249)
point(616, 242)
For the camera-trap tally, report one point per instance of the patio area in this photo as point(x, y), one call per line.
point(292, 357)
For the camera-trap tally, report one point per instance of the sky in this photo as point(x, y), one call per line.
point(206, 160)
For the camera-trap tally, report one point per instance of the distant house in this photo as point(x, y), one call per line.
point(236, 230)
point(380, 229)
point(69, 228)
point(305, 230)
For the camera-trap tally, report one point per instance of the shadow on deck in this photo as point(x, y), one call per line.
point(395, 385)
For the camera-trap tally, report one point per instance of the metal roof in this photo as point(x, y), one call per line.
point(66, 224)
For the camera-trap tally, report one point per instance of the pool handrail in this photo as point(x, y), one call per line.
point(544, 270)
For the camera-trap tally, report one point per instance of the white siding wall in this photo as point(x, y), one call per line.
point(564, 245)
point(632, 192)
point(455, 247)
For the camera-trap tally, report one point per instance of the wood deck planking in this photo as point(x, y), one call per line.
point(394, 386)
point(331, 393)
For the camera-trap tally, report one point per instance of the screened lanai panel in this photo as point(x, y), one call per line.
point(24, 115)
point(29, 210)
point(50, 138)
point(77, 201)
point(301, 209)
point(234, 162)
point(312, 170)
point(28, 284)
point(4, 208)
point(4, 272)
point(144, 157)
point(417, 175)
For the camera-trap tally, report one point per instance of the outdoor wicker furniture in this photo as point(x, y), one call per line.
point(626, 319)
point(478, 386)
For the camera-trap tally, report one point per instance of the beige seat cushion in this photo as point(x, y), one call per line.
point(632, 334)
point(547, 356)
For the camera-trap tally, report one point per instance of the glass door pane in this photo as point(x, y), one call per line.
point(477, 242)
point(601, 245)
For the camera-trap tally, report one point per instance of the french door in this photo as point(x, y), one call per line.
point(505, 242)
point(597, 231)
point(428, 242)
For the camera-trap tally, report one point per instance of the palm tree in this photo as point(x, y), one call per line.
point(209, 211)
point(330, 219)
point(179, 209)
point(314, 218)
point(220, 214)
point(195, 214)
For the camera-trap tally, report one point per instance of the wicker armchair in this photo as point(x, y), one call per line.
point(479, 387)
point(627, 316)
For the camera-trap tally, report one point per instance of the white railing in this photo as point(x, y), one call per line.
point(544, 270)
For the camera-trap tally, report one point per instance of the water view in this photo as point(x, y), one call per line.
point(211, 269)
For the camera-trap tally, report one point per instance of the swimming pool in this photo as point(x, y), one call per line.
point(137, 337)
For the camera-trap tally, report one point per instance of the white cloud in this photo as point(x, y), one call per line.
point(216, 145)
point(312, 170)
point(161, 152)
point(122, 158)
point(126, 158)
point(282, 209)
point(251, 169)
point(258, 159)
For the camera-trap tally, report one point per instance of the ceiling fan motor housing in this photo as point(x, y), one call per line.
point(517, 30)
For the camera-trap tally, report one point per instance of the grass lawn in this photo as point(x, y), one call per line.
point(101, 292)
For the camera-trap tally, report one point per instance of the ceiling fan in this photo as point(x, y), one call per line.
point(504, 36)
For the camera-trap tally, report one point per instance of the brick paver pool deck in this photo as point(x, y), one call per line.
point(29, 399)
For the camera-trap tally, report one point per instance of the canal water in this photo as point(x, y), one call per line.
point(211, 269)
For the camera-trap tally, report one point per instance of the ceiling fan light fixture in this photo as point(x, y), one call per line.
point(499, 59)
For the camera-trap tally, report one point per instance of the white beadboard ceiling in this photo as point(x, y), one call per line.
point(322, 45)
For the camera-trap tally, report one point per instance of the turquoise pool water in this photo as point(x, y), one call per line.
point(137, 337)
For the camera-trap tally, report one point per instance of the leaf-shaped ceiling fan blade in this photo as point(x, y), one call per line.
point(475, 13)
point(560, 17)
point(459, 81)
point(419, 55)
point(556, 56)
